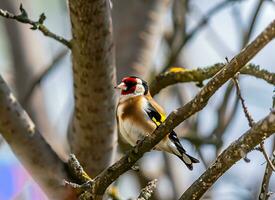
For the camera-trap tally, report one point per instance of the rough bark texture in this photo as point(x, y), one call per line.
point(137, 30)
point(30, 148)
point(92, 136)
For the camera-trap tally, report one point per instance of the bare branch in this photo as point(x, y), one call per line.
point(250, 120)
point(182, 75)
point(269, 162)
point(39, 24)
point(147, 192)
point(266, 178)
point(247, 114)
point(29, 147)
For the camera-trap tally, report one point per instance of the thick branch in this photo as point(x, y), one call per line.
point(181, 75)
point(23, 18)
point(236, 151)
point(93, 128)
point(29, 147)
point(103, 180)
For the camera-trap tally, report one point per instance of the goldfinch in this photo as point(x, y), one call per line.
point(138, 115)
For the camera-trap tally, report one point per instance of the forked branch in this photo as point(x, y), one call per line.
point(39, 24)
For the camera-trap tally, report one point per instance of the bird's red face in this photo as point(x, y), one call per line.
point(128, 85)
point(133, 85)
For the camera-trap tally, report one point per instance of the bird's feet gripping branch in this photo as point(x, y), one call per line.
point(138, 115)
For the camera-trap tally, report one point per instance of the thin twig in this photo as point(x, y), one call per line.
point(263, 195)
point(147, 192)
point(39, 24)
point(250, 120)
point(271, 165)
point(246, 112)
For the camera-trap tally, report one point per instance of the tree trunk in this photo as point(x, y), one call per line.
point(92, 136)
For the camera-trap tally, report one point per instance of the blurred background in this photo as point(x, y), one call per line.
point(182, 33)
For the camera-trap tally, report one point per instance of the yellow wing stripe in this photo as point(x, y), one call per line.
point(161, 120)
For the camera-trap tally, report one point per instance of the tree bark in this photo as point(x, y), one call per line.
point(30, 148)
point(26, 57)
point(92, 136)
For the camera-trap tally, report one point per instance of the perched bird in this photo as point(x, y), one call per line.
point(138, 115)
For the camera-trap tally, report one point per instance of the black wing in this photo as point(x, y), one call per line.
point(154, 115)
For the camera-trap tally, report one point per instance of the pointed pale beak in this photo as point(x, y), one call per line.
point(121, 86)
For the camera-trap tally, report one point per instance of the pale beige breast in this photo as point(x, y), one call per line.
point(133, 121)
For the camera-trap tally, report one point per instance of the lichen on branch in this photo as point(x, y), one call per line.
point(182, 75)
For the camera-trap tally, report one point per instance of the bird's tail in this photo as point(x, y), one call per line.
point(188, 160)
point(178, 150)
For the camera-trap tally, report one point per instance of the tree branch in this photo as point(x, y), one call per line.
point(263, 195)
point(236, 151)
point(23, 18)
point(147, 192)
point(30, 148)
point(92, 137)
point(181, 75)
point(104, 179)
